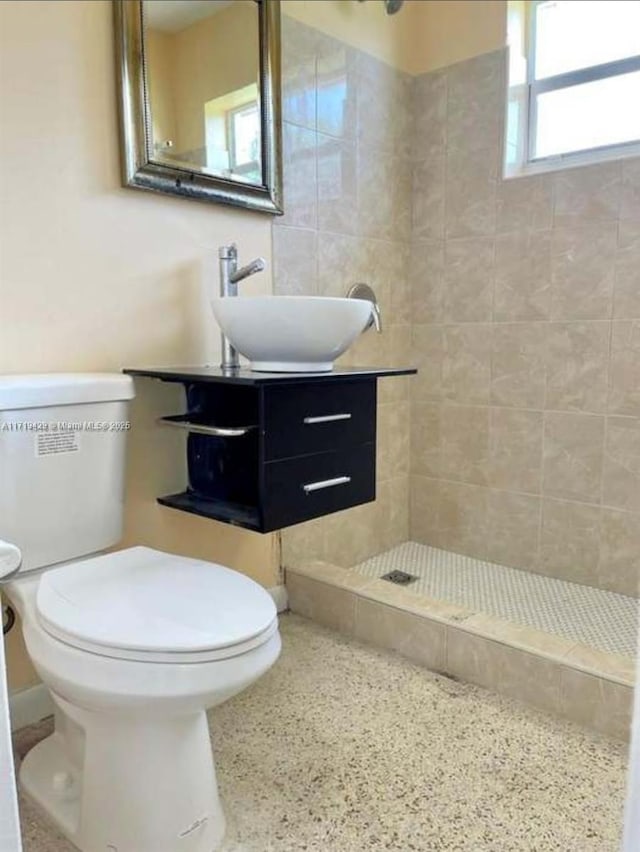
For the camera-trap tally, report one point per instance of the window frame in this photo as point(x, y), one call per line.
point(235, 167)
point(566, 80)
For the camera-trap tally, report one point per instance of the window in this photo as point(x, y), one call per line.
point(244, 137)
point(574, 82)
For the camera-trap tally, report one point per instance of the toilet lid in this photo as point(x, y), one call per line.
point(144, 604)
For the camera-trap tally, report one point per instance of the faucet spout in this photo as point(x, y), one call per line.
point(257, 265)
point(230, 276)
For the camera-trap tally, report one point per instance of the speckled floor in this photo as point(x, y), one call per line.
point(344, 748)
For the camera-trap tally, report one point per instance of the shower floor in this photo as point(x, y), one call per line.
point(604, 620)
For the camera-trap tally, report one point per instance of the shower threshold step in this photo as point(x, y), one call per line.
point(564, 673)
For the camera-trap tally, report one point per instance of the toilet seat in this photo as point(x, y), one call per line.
point(145, 605)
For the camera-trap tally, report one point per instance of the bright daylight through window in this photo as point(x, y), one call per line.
point(574, 82)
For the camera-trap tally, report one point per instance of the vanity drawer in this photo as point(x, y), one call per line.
point(310, 486)
point(300, 419)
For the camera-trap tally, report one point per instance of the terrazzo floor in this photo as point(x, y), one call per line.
point(604, 620)
point(345, 748)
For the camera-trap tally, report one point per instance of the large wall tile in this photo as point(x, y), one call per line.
point(464, 443)
point(427, 355)
point(337, 88)
point(513, 525)
point(428, 198)
point(468, 280)
point(299, 46)
point(337, 185)
point(384, 106)
point(341, 262)
point(621, 487)
point(471, 181)
point(619, 568)
point(424, 511)
point(587, 195)
point(573, 456)
point(466, 363)
point(523, 276)
point(303, 543)
point(624, 371)
point(626, 302)
point(429, 110)
point(578, 366)
point(570, 541)
point(295, 262)
point(475, 102)
point(393, 439)
point(630, 196)
point(393, 497)
point(582, 272)
point(384, 194)
point(300, 178)
point(462, 518)
point(515, 456)
point(426, 435)
point(524, 204)
point(426, 272)
point(518, 365)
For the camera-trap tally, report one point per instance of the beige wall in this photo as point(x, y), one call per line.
point(96, 277)
point(450, 31)
point(424, 35)
point(362, 25)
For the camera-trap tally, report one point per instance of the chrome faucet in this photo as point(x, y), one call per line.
point(364, 291)
point(230, 277)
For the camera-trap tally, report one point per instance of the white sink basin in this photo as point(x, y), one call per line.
point(291, 334)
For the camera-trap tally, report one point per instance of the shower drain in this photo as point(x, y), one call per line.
point(400, 578)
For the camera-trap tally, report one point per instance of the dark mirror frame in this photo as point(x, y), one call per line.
point(138, 168)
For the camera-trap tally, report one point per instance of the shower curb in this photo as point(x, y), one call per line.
point(552, 673)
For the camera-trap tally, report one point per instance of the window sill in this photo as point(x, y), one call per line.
point(571, 161)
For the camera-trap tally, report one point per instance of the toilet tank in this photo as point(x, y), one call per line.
point(62, 463)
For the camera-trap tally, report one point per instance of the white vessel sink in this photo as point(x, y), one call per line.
point(291, 334)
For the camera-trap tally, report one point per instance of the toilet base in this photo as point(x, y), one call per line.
point(127, 784)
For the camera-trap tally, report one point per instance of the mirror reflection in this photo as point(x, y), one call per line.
point(202, 61)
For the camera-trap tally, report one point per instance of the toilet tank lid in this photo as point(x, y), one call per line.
point(46, 390)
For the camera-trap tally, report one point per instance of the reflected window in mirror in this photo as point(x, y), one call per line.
point(202, 77)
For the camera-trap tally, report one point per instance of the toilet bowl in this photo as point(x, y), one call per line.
point(134, 645)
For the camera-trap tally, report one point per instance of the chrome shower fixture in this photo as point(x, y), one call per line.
point(391, 6)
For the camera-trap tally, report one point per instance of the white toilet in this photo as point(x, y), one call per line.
point(134, 645)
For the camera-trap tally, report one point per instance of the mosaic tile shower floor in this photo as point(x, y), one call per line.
point(604, 620)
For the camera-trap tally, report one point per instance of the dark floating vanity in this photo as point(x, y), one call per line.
point(268, 450)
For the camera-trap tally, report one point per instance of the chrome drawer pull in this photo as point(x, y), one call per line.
point(205, 429)
point(327, 418)
point(325, 483)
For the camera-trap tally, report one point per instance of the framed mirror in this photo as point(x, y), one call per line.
point(199, 99)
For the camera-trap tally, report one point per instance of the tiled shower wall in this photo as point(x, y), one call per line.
point(347, 176)
point(525, 441)
point(519, 301)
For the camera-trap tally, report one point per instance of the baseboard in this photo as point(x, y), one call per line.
point(280, 597)
point(29, 706)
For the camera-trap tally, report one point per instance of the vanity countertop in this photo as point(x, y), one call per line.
point(216, 375)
